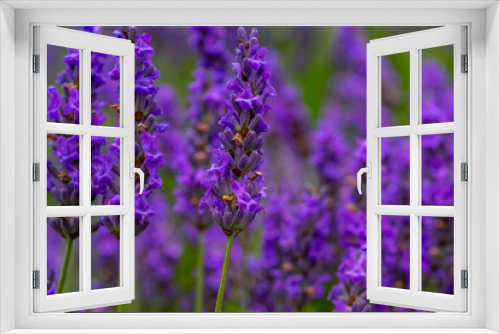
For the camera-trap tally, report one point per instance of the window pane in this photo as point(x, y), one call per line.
point(105, 245)
point(63, 170)
point(395, 232)
point(437, 169)
point(395, 171)
point(437, 254)
point(105, 169)
point(105, 89)
point(63, 85)
point(63, 255)
point(395, 83)
point(437, 85)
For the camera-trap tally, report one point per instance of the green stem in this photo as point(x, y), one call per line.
point(200, 272)
point(64, 271)
point(223, 277)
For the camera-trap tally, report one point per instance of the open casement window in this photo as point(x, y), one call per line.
point(68, 200)
point(416, 132)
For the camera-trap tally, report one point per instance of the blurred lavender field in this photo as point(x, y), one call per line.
point(305, 250)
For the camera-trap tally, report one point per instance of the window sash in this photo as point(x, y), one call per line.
point(413, 43)
point(85, 297)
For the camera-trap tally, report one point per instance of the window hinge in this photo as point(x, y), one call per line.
point(36, 172)
point(464, 172)
point(36, 279)
point(465, 279)
point(36, 63)
point(465, 63)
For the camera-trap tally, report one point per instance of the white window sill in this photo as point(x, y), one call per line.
point(251, 331)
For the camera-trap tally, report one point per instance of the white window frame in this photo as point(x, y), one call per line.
point(85, 297)
point(483, 20)
point(413, 44)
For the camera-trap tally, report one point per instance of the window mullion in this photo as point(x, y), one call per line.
point(85, 182)
point(415, 263)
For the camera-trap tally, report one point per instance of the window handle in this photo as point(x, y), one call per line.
point(134, 170)
point(368, 171)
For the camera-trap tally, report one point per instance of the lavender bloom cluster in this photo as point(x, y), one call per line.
point(63, 170)
point(235, 184)
point(297, 257)
point(308, 253)
point(158, 251)
point(148, 131)
point(288, 137)
point(296, 261)
point(207, 100)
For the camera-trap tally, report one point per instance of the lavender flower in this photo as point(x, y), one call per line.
point(173, 142)
point(63, 176)
point(349, 295)
point(207, 96)
point(235, 184)
point(148, 156)
point(289, 133)
point(158, 252)
point(297, 256)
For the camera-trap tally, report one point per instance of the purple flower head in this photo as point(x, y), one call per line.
point(63, 176)
point(349, 295)
point(149, 128)
point(53, 104)
point(207, 94)
point(63, 171)
point(153, 159)
point(158, 251)
point(66, 227)
point(210, 47)
point(235, 183)
point(297, 257)
point(143, 213)
point(329, 151)
point(103, 175)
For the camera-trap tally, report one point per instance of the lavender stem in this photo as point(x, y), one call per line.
point(200, 271)
point(64, 271)
point(223, 277)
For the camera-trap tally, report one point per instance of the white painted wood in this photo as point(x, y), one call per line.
point(415, 167)
point(418, 129)
point(75, 129)
point(414, 43)
point(259, 331)
point(492, 186)
point(187, 13)
point(127, 104)
point(94, 210)
point(419, 210)
point(246, 4)
point(7, 166)
point(86, 297)
point(372, 185)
